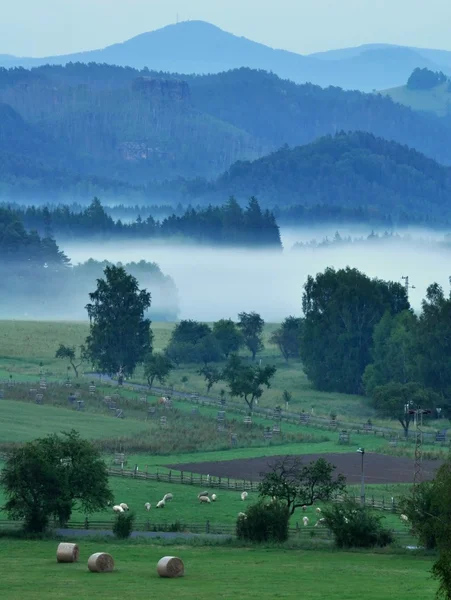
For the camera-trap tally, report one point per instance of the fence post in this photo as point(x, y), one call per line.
point(191, 478)
point(181, 476)
point(207, 527)
point(201, 480)
point(170, 475)
point(86, 523)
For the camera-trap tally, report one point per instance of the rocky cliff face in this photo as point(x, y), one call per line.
point(163, 90)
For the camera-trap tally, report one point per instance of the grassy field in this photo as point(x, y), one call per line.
point(20, 422)
point(25, 345)
point(29, 570)
point(437, 100)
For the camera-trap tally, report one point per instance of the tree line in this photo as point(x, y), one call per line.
point(229, 224)
point(360, 335)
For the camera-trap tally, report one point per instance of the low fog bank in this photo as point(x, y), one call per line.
point(218, 283)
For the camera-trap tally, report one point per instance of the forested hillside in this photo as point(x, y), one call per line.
point(151, 137)
point(346, 170)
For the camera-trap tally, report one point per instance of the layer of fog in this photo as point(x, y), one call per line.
point(218, 283)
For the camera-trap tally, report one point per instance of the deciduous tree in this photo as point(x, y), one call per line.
point(295, 483)
point(69, 353)
point(251, 326)
point(120, 336)
point(247, 381)
point(48, 477)
point(288, 337)
point(157, 366)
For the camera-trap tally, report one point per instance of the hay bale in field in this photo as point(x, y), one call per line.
point(170, 566)
point(67, 553)
point(100, 562)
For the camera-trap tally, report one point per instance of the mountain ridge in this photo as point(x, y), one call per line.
point(197, 47)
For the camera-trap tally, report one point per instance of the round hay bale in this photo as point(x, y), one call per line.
point(170, 566)
point(100, 562)
point(67, 553)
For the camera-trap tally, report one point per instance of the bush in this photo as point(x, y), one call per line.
point(422, 510)
point(123, 525)
point(355, 526)
point(263, 522)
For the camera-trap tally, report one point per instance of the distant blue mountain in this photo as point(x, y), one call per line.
point(199, 47)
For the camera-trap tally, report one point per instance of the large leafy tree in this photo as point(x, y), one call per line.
point(48, 477)
point(394, 351)
point(288, 337)
point(247, 381)
point(296, 483)
point(120, 336)
point(229, 337)
point(434, 341)
point(341, 310)
point(251, 326)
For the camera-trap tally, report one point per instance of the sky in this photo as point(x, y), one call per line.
point(50, 27)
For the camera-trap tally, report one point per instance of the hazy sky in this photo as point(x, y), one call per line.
point(46, 27)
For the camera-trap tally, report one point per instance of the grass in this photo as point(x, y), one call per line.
point(436, 100)
point(26, 344)
point(20, 422)
point(29, 570)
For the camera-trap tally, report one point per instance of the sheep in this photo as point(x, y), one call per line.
point(123, 506)
point(242, 515)
point(118, 509)
point(160, 504)
point(304, 508)
point(305, 520)
point(318, 510)
point(213, 497)
point(167, 497)
point(404, 518)
point(320, 522)
point(202, 494)
point(346, 520)
point(205, 500)
point(147, 506)
point(244, 495)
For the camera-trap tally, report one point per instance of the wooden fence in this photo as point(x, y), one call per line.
point(226, 483)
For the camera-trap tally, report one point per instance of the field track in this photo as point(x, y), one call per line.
point(379, 468)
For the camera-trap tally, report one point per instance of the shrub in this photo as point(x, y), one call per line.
point(123, 525)
point(263, 522)
point(422, 510)
point(355, 526)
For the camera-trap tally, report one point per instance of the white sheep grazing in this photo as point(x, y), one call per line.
point(167, 497)
point(205, 500)
point(118, 509)
point(320, 522)
point(404, 518)
point(202, 494)
point(318, 511)
point(160, 504)
point(147, 506)
point(305, 520)
point(244, 495)
point(304, 508)
point(346, 520)
point(242, 515)
point(123, 506)
point(213, 497)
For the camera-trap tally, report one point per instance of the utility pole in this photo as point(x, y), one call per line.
point(418, 416)
point(407, 285)
point(362, 477)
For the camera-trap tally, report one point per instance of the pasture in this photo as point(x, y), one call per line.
point(30, 570)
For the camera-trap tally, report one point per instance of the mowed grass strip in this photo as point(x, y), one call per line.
point(30, 570)
point(22, 422)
